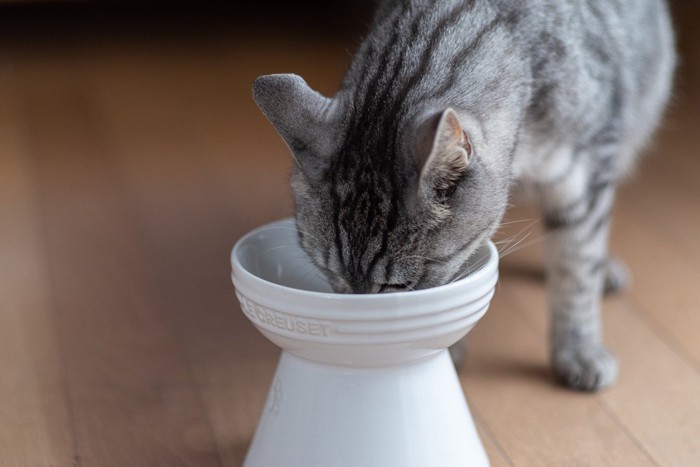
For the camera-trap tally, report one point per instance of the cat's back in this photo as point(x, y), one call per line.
point(599, 64)
point(583, 43)
point(557, 68)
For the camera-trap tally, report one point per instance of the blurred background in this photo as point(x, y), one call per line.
point(132, 157)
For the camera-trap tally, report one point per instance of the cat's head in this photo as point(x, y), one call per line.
point(382, 206)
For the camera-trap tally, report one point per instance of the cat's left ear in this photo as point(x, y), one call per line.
point(302, 116)
point(449, 158)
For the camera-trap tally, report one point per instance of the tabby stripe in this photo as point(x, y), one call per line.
point(594, 264)
point(327, 258)
point(465, 53)
point(361, 102)
point(574, 282)
point(605, 165)
point(450, 19)
point(598, 46)
point(370, 102)
point(598, 267)
point(391, 126)
point(561, 177)
point(388, 270)
point(381, 61)
point(601, 222)
point(424, 274)
point(393, 213)
point(378, 103)
point(460, 272)
point(557, 221)
point(608, 137)
point(335, 199)
point(387, 58)
point(457, 251)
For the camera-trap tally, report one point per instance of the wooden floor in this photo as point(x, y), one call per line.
point(127, 171)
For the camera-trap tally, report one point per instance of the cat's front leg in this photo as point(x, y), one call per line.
point(577, 216)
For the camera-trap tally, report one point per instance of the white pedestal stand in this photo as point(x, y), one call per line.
point(363, 380)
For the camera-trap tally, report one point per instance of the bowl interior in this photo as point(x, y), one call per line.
point(272, 253)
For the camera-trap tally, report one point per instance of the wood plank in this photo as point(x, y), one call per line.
point(36, 424)
point(665, 192)
point(665, 277)
point(133, 396)
point(494, 449)
point(646, 407)
point(536, 422)
point(671, 208)
point(672, 155)
point(656, 398)
point(190, 226)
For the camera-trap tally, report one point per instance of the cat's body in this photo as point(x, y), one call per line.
point(408, 168)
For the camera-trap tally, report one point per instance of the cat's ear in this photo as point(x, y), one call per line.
point(301, 115)
point(449, 157)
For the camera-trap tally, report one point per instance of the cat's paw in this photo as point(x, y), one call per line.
point(617, 276)
point(585, 368)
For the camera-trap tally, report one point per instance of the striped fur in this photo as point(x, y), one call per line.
point(401, 175)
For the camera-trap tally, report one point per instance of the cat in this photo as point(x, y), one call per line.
point(446, 104)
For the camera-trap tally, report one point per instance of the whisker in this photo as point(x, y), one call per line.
point(522, 246)
point(466, 264)
point(507, 245)
point(510, 248)
point(460, 277)
point(503, 224)
point(531, 223)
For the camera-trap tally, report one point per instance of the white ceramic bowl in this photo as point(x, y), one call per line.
point(356, 367)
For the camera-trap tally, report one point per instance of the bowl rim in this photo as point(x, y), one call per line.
point(487, 269)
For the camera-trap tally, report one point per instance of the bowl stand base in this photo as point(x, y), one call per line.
point(408, 415)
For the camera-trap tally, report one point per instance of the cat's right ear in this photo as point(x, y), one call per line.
point(302, 117)
point(450, 155)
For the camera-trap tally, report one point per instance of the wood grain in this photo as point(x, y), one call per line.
point(657, 377)
point(124, 367)
point(36, 427)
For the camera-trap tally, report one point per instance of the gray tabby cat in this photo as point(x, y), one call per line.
point(407, 170)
